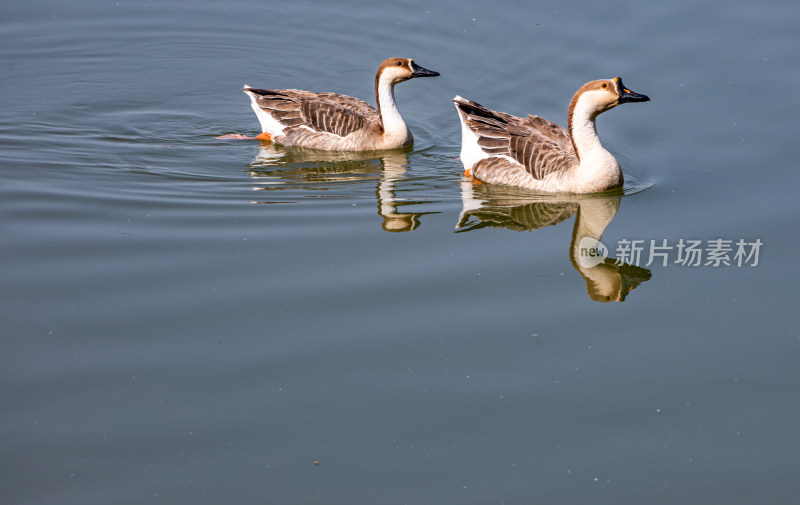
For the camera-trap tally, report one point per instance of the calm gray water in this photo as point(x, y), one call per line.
point(205, 321)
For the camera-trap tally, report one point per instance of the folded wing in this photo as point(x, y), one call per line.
point(540, 146)
point(322, 112)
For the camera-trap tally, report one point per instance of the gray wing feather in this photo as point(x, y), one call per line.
point(540, 146)
point(324, 112)
point(541, 126)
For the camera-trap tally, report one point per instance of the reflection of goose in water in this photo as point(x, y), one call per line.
point(278, 168)
point(504, 207)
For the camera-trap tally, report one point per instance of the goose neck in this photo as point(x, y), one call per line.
point(583, 129)
point(391, 121)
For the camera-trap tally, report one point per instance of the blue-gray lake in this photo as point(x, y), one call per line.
point(195, 320)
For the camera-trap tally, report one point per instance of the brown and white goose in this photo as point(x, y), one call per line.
point(538, 154)
point(337, 122)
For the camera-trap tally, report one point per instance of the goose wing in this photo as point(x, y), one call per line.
point(537, 144)
point(323, 112)
point(554, 132)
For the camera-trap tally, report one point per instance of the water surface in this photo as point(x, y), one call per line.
point(196, 320)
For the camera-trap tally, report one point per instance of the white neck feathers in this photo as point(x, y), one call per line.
point(595, 162)
point(582, 127)
point(393, 124)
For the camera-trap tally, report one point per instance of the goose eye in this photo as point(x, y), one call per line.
point(399, 63)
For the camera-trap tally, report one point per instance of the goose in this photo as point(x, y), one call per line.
point(538, 154)
point(335, 122)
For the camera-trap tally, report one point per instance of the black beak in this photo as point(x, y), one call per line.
point(417, 71)
point(626, 95)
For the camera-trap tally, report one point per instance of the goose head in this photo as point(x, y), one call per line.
point(596, 97)
point(395, 70)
